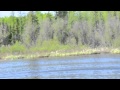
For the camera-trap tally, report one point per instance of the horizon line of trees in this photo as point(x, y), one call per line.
point(89, 28)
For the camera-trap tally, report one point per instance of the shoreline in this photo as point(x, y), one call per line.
point(60, 53)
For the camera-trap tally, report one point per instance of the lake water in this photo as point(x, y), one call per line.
point(99, 66)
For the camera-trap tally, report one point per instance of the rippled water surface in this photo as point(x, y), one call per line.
point(99, 66)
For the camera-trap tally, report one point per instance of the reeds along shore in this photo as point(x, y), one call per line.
point(60, 53)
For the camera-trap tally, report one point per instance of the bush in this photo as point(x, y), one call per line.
point(17, 47)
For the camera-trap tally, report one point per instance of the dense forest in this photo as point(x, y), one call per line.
point(38, 31)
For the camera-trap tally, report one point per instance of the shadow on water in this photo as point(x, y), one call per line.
point(33, 73)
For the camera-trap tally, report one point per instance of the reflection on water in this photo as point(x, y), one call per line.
point(81, 67)
point(33, 67)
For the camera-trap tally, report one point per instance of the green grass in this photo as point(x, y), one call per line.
point(17, 47)
point(49, 48)
point(115, 51)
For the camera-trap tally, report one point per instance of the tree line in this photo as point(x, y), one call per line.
point(90, 28)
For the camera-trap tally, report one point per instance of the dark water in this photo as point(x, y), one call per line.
point(101, 66)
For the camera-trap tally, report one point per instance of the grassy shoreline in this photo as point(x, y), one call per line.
point(59, 53)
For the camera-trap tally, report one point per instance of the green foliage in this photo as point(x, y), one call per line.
point(71, 17)
point(39, 15)
point(17, 47)
point(116, 42)
point(50, 45)
point(105, 15)
point(4, 49)
point(43, 32)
